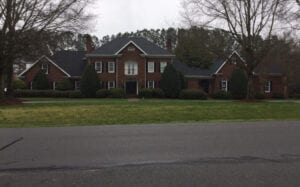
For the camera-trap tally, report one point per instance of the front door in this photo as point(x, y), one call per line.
point(131, 87)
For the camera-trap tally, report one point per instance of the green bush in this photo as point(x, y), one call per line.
point(41, 93)
point(277, 96)
point(171, 82)
point(117, 93)
point(238, 84)
point(193, 94)
point(75, 94)
point(259, 96)
point(40, 81)
point(222, 95)
point(64, 85)
point(18, 84)
point(90, 82)
point(146, 93)
point(158, 93)
point(103, 93)
point(296, 96)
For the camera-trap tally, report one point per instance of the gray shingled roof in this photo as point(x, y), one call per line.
point(72, 62)
point(114, 46)
point(195, 71)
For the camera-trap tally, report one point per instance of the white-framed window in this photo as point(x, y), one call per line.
point(224, 85)
point(45, 68)
point(151, 67)
point(151, 84)
point(98, 67)
point(111, 85)
point(77, 85)
point(268, 87)
point(163, 66)
point(111, 67)
point(131, 68)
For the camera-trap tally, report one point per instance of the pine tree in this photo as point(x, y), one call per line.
point(171, 82)
point(90, 82)
point(40, 81)
point(238, 84)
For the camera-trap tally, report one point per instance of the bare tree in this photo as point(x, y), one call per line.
point(250, 22)
point(20, 18)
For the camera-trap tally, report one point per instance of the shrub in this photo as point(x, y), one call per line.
point(259, 96)
point(41, 93)
point(102, 93)
point(146, 93)
point(158, 93)
point(222, 95)
point(40, 81)
point(238, 84)
point(89, 83)
point(75, 94)
point(277, 96)
point(64, 85)
point(18, 84)
point(117, 93)
point(171, 82)
point(193, 94)
point(296, 96)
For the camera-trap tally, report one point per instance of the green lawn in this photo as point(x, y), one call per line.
point(71, 112)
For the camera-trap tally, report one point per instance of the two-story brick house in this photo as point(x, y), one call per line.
point(129, 63)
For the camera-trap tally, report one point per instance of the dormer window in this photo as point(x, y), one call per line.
point(131, 48)
point(45, 68)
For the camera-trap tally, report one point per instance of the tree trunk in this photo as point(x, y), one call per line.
point(9, 77)
point(2, 95)
point(250, 90)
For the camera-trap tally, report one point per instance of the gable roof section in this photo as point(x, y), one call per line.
point(49, 60)
point(196, 72)
point(114, 47)
point(71, 63)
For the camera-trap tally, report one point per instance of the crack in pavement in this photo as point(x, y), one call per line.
point(12, 143)
point(285, 158)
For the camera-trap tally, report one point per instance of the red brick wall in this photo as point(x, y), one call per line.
point(54, 74)
point(131, 56)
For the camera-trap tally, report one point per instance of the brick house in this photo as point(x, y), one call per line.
point(135, 63)
point(129, 63)
point(268, 79)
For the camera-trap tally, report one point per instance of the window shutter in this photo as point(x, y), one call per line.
point(157, 68)
point(147, 67)
point(271, 86)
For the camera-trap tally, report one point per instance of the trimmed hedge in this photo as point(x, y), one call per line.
point(151, 93)
point(117, 93)
point(277, 96)
point(296, 96)
point(65, 85)
point(193, 94)
point(47, 93)
point(103, 93)
point(259, 96)
point(222, 95)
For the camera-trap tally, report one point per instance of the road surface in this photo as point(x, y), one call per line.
point(223, 154)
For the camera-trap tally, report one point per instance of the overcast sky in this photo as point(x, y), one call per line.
point(114, 16)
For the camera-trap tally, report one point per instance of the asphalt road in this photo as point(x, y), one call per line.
point(225, 154)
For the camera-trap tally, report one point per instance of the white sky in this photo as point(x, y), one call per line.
point(114, 16)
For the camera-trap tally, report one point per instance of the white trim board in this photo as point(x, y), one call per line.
point(130, 42)
point(36, 62)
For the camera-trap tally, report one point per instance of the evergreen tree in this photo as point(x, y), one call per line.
point(89, 83)
point(40, 81)
point(238, 84)
point(171, 82)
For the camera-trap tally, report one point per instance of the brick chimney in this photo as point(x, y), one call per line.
point(89, 43)
point(169, 45)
